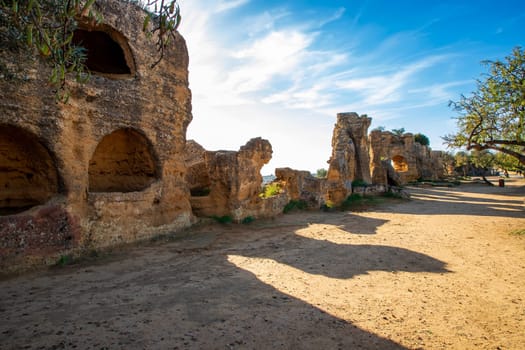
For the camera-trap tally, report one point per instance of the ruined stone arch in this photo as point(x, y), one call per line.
point(28, 172)
point(399, 163)
point(107, 51)
point(124, 161)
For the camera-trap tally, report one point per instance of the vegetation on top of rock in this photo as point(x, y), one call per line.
point(422, 139)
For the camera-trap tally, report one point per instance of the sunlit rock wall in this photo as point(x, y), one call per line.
point(228, 183)
point(108, 166)
point(350, 156)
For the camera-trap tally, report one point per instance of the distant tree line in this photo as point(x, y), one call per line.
point(481, 163)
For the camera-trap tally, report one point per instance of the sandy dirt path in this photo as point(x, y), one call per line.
point(440, 271)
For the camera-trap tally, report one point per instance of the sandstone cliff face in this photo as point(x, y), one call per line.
point(228, 183)
point(350, 156)
point(109, 162)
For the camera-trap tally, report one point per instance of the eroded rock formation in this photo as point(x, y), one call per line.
point(350, 159)
point(408, 159)
point(106, 167)
point(300, 185)
point(228, 183)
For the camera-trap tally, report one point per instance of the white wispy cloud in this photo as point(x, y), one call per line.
point(438, 93)
point(390, 87)
point(228, 5)
point(337, 15)
point(275, 66)
point(277, 53)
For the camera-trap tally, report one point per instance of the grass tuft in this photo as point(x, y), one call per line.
point(295, 205)
point(518, 232)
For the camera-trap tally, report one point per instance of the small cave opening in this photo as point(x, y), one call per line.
point(400, 163)
point(104, 54)
point(200, 191)
point(28, 173)
point(122, 162)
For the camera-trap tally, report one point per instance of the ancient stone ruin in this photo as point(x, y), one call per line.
point(108, 166)
point(398, 159)
point(228, 183)
point(362, 163)
point(113, 166)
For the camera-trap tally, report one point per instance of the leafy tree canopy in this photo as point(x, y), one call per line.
point(493, 116)
point(422, 139)
point(46, 27)
point(399, 132)
point(321, 173)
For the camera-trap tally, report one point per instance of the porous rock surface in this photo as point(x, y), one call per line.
point(228, 183)
point(108, 165)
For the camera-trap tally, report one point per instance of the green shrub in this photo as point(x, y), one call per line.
point(359, 183)
point(225, 219)
point(248, 220)
point(270, 190)
point(518, 232)
point(64, 260)
point(392, 194)
point(295, 205)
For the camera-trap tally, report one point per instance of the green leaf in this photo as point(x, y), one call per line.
point(44, 50)
point(29, 35)
point(146, 23)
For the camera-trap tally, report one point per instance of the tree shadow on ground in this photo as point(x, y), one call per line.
point(186, 295)
point(457, 201)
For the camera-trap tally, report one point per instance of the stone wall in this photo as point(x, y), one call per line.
point(228, 183)
point(109, 164)
point(398, 159)
point(350, 156)
point(300, 185)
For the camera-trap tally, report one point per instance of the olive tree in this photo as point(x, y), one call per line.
point(493, 116)
point(46, 27)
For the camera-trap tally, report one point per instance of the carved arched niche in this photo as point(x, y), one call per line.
point(107, 51)
point(28, 174)
point(400, 164)
point(123, 161)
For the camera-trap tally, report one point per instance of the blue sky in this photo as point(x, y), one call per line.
point(282, 70)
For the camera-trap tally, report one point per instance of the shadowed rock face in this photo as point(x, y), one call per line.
point(28, 174)
point(122, 162)
point(112, 158)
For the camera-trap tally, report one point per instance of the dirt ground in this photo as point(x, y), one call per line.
point(439, 271)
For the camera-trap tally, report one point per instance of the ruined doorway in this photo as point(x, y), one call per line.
point(123, 161)
point(107, 51)
point(28, 174)
point(400, 164)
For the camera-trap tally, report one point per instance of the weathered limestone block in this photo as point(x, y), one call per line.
point(350, 156)
point(408, 159)
point(112, 157)
point(301, 186)
point(227, 182)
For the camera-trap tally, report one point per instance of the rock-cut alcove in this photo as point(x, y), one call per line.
point(400, 163)
point(123, 161)
point(107, 51)
point(28, 174)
